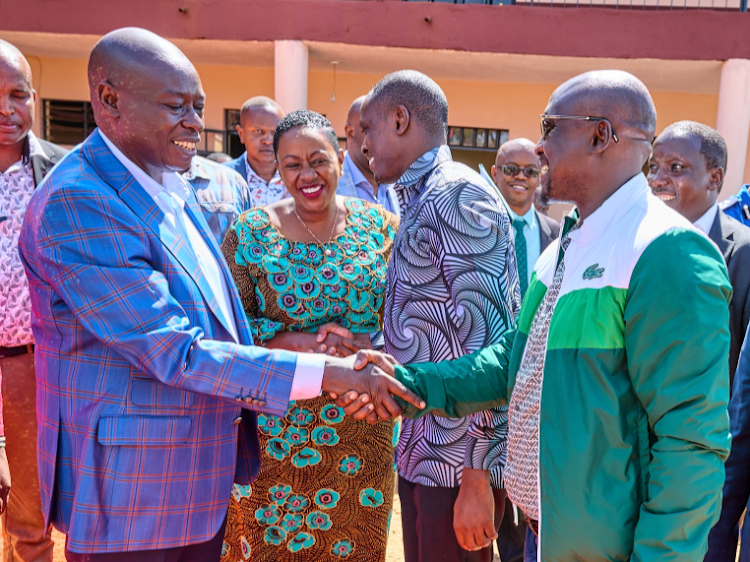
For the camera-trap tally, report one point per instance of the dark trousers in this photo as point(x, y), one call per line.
point(209, 551)
point(25, 538)
point(529, 551)
point(511, 537)
point(427, 520)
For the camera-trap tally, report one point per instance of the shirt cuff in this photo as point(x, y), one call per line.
point(308, 376)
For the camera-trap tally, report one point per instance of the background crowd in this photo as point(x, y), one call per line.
point(179, 333)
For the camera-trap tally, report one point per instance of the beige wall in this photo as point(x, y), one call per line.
point(515, 107)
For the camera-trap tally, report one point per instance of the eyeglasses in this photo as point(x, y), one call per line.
point(547, 123)
point(530, 172)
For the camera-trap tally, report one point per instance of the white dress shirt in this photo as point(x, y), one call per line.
point(532, 233)
point(705, 223)
point(170, 196)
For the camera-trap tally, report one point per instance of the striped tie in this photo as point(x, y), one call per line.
point(523, 278)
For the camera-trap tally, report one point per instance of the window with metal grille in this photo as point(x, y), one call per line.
point(68, 122)
point(476, 139)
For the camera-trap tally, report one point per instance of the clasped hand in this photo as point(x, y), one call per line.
point(364, 385)
point(361, 380)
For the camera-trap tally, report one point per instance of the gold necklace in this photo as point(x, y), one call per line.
point(336, 220)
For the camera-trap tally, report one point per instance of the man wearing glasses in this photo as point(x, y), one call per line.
point(617, 373)
point(516, 173)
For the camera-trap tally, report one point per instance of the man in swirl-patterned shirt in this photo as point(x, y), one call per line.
point(452, 289)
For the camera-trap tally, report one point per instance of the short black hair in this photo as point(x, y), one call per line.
point(306, 119)
point(260, 101)
point(419, 93)
point(713, 145)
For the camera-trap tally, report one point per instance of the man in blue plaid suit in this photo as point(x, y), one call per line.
point(146, 372)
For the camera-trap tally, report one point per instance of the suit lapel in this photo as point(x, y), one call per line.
point(722, 235)
point(193, 210)
point(145, 208)
point(40, 166)
point(545, 233)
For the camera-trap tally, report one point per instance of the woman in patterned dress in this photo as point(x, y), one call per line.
point(325, 487)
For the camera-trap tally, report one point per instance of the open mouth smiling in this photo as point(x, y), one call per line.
point(665, 196)
point(185, 145)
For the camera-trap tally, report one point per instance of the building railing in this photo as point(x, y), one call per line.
point(718, 5)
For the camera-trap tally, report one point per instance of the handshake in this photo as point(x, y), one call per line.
point(364, 385)
point(362, 381)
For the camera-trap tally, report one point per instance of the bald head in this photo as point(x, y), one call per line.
point(17, 103)
point(147, 98)
point(125, 54)
point(614, 94)
point(355, 138)
point(589, 159)
point(12, 57)
point(354, 109)
point(516, 145)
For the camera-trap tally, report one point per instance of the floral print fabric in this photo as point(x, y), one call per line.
point(325, 487)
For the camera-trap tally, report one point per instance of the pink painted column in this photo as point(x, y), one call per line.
point(733, 120)
point(290, 74)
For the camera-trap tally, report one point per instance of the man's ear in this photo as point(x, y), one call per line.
point(109, 98)
point(716, 179)
point(602, 137)
point(241, 134)
point(341, 156)
point(402, 119)
point(348, 133)
point(494, 173)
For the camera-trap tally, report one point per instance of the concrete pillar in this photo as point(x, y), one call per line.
point(290, 74)
point(733, 120)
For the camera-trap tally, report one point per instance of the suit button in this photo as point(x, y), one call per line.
point(261, 403)
point(237, 420)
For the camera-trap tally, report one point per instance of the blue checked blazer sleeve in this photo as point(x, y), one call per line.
point(97, 258)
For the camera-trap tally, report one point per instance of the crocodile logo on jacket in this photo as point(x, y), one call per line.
point(593, 272)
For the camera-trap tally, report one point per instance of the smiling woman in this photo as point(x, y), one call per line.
point(301, 263)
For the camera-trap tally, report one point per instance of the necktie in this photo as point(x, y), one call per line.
point(523, 277)
point(522, 467)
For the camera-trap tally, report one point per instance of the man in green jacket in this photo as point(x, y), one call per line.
point(616, 375)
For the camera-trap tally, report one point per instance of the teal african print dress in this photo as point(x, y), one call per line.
point(325, 487)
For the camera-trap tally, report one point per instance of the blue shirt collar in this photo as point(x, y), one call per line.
point(529, 217)
point(356, 175)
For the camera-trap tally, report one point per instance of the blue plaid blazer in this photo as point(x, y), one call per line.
point(139, 389)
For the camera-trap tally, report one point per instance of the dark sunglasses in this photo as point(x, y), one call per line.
point(511, 170)
point(547, 123)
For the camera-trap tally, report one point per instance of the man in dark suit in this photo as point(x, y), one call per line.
point(24, 161)
point(516, 173)
point(686, 171)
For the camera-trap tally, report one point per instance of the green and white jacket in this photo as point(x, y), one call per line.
point(634, 428)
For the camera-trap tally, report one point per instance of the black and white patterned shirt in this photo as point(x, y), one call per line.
point(452, 289)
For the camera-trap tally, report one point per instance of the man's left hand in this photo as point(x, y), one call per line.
point(474, 511)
